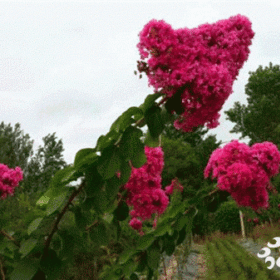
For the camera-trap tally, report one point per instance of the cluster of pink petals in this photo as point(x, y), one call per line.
point(144, 189)
point(175, 185)
point(245, 171)
point(9, 179)
point(207, 59)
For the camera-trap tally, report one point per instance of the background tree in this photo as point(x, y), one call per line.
point(16, 147)
point(17, 150)
point(42, 167)
point(260, 118)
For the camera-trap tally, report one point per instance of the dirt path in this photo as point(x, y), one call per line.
point(200, 261)
point(171, 267)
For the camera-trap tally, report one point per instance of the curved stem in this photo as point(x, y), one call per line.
point(59, 216)
point(9, 237)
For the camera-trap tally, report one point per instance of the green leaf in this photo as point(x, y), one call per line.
point(56, 202)
point(112, 188)
point(44, 199)
point(174, 211)
point(140, 159)
point(154, 121)
point(134, 276)
point(121, 212)
point(154, 256)
point(58, 182)
point(145, 241)
point(108, 218)
point(99, 234)
point(126, 255)
point(87, 204)
point(67, 238)
point(151, 141)
point(51, 265)
point(109, 162)
point(100, 202)
point(129, 268)
point(130, 144)
point(25, 270)
point(80, 217)
point(60, 178)
point(7, 248)
point(125, 172)
point(84, 158)
point(108, 140)
point(142, 263)
point(166, 116)
point(94, 182)
point(181, 222)
point(181, 237)
point(169, 246)
point(33, 226)
point(161, 229)
point(27, 246)
point(149, 101)
point(125, 119)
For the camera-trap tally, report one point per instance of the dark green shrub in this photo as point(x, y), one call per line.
point(227, 218)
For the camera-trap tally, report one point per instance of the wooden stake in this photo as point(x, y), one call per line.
point(242, 224)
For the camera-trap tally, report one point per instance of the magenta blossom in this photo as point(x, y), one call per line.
point(144, 187)
point(9, 179)
point(204, 60)
point(245, 171)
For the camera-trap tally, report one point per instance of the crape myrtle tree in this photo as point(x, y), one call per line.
point(259, 120)
point(193, 72)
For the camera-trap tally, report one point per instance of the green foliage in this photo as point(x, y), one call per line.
point(154, 121)
point(126, 119)
point(227, 217)
point(25, 270)
point(42, 167)
point(121, 212)
point(260, 118)
point(131, 147)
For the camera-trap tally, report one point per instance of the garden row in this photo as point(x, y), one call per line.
point(228, 260)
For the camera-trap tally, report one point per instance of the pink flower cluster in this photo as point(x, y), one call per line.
point(9, 179)
point(245, 171)
point(207, 59)
point(175, 185)
point(144, 189)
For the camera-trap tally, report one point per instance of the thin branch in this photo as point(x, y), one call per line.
point(140, 122)
point(89, 227)
point(59, 217)
point(9, 237)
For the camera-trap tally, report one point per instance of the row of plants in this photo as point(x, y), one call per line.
point(228, 260)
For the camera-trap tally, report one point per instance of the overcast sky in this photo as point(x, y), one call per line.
point(67, 67)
